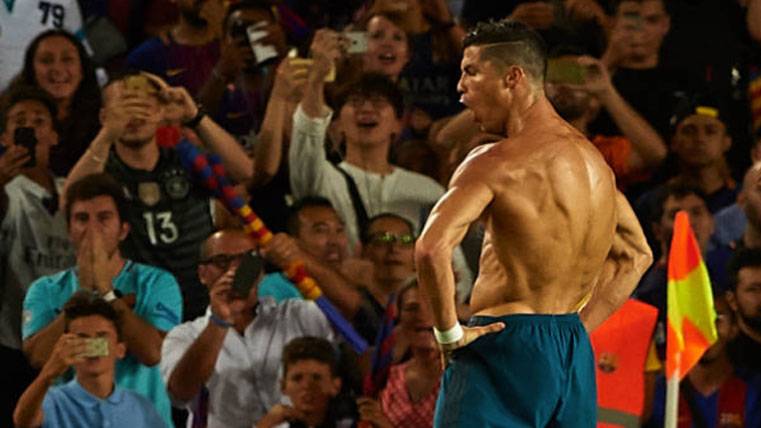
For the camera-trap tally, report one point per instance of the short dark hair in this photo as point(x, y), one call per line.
point(92, 186)
point(742, 258)
point(373, 84)
point(365, 233)
point(612, 7)
point(510, 42)
point(21, 92)
point(265, 5)
point(293, 223)
point(677, 190)
point(85, 303)
point(310, 348)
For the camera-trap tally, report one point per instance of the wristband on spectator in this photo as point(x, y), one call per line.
point(193, 123)
point(450, 336)
point(110, 296)
point(219, 321)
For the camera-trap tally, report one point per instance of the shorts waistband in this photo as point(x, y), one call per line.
point(522, 319)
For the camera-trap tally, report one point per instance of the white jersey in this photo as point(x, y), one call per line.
point(33, 243)
point(22, 20)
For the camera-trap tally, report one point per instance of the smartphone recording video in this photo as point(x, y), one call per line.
point(566, 71)
point(25, 137)
point(357, 41)
point(251, 266)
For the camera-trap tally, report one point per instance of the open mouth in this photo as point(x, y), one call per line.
point(367, 123)
point(387, 58)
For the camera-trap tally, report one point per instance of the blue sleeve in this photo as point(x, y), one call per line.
point(162, 307)
point(38, 311)
point(151, 56)
point(753, 402)
point(278, 287)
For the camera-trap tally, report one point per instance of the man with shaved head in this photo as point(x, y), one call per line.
point(234, 350)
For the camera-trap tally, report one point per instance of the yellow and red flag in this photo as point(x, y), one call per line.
point(691, 315)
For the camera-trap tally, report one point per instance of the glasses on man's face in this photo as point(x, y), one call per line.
point(388, 238)
point(223, 261)
point(377, 101)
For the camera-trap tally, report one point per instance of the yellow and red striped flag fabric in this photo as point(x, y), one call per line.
point(691, 315)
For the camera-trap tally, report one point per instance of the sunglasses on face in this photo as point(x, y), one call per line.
point(223, 261)
point(387, 238)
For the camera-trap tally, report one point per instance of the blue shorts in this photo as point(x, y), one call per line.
point(537, 372)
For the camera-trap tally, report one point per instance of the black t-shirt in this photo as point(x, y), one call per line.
point(745, 354)
point(170, 216)
point(651, 92)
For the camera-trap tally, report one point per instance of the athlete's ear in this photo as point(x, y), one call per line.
point(513, 75)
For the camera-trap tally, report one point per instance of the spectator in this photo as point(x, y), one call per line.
point(187, 53)
point(58, 63)
point(652, 287)
point(22, 21)
point(713, 393)
point(731, 221)
point(633, 57)
point(389, 243)
point(409, 398)
point(317, 238)
point(699, 143)
point(744, 297)
point(239, 85)
point(92, 398)
point(33, 237)
point(635, 148)
point(169, 213)
point(146, 299)
point(227, 360)
point(311, 383)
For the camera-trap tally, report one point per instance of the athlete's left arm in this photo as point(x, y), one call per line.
point(467, 197)
point(628, 259)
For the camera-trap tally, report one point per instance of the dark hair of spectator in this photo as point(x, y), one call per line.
point(249, 4)
point(294, 224)
point(677, 190)
point(370, 85)
point(310, 348)
point(742, 258)
point(612, 6)
point(365, 234)
point(508, 42)
point(85, 303)
point(86, 100)
point(18, 93)
point(94, 185)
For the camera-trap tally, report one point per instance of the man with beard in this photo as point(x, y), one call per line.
point(169, 213)
point(714, 392)
point(146, 299)
point(186, 55)
point(636, 148)
point(744, 298)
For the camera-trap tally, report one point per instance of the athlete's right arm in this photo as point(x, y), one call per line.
point(467, 198)
point(628, 259)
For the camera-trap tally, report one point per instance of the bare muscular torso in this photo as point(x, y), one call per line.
point(550, 225)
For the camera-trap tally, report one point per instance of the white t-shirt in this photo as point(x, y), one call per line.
point(22, 20)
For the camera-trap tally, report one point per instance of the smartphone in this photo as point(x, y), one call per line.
point(139, 83)
point(357, 41)
point(96, 347)
point(247, 274)
point(25, 137)
point(568, 71)
point(263, 53)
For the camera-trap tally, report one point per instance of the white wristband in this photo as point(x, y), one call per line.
point(110, 296)
point(450, 336)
